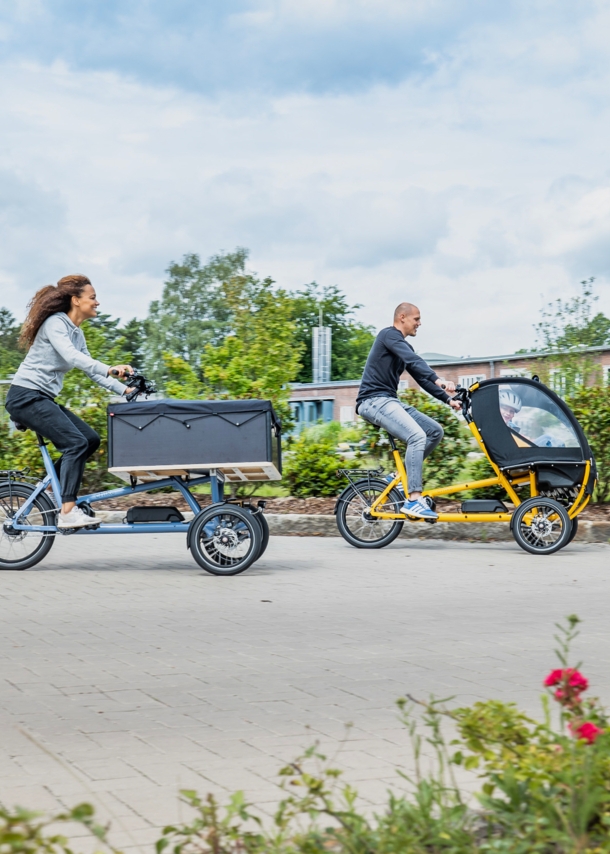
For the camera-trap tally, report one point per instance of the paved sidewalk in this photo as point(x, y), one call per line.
point(128, 673)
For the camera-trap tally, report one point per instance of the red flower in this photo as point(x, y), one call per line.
point(587, 732)
point(578, 681)
point(554, 678)
point(573, 678)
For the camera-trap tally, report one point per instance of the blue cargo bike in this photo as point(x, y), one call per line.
point(154, 444)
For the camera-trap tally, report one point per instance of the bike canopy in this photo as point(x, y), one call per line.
point(522, 422)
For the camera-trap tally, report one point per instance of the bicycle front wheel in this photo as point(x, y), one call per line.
point(23, 549)
point(357, 526)
point(225, 539)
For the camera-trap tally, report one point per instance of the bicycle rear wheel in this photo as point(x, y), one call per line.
point(23, 549)
point(357, 526)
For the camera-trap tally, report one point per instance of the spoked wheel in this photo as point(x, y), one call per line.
point(225, 539)
point(22, 549)
point(355, 523)
point(541, 526)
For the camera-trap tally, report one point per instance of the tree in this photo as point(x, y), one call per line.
point(261, 354)
point(191, 312)
point(567, 329)
point(10, 355)
point(351, 340)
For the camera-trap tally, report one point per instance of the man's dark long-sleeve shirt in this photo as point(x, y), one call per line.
point(391, 355)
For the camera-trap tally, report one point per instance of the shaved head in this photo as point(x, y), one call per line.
point(405, 308)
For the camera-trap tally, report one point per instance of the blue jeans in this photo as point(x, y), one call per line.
point(422, 434)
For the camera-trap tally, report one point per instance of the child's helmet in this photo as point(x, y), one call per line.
point(509, 398)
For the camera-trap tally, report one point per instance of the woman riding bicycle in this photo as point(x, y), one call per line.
point(56, 344)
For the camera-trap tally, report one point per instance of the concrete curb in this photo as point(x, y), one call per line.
point(310, 525)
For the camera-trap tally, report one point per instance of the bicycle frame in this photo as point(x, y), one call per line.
point(213, 478)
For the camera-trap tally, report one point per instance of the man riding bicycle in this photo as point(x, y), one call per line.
point(378, 402)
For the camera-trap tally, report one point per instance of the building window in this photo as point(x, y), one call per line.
point(403, 384)
point(513, 372)
point(469, 379)
point(606, 370)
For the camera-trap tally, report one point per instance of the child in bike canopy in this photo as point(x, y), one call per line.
point(378, 402)
point(55, 343)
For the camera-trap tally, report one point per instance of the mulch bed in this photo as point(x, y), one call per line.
point(303, 506)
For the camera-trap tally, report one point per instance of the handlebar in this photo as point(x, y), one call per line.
point(138, 384)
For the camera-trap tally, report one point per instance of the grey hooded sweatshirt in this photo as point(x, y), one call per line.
point(58, 347)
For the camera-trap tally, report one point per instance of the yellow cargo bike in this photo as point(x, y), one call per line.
point(535, 446)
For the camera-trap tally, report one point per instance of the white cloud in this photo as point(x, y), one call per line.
point(477, 190)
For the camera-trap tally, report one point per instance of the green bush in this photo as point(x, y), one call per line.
point(445, 464)
point(311, 468)
point(591, 406)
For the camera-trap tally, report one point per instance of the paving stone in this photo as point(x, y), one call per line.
point(137, 674)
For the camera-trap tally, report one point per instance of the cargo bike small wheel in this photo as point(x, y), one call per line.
point(263, 524)
point(541, 526)
point(354, 521)
point(224, 539)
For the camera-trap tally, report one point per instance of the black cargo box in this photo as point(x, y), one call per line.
point(151, 439)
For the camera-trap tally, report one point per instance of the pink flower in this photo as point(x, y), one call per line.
point(578, 681)
point(570, 677)
point(554, 678)
point(587, 732)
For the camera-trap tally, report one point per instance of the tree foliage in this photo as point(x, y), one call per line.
point(350, 341)
point(191, 312)
point(567, 329)
point(10, 356)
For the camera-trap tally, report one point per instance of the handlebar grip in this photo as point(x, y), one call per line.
point(114, 373)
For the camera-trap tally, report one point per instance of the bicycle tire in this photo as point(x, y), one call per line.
point(388, 529)
point(12, 496)
point(547, 532)
point(574, 530)
point(259, 517)
point(225, 539)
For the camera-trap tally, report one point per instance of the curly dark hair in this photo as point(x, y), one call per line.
point(47, 301)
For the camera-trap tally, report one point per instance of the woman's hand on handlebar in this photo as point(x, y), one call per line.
point(121, 371)
point(455, 404)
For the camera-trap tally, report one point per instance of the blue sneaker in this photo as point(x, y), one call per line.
point(419, 509)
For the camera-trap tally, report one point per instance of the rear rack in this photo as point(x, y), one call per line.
point(360, 474)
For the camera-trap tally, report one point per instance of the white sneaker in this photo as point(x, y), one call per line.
point(75, 519)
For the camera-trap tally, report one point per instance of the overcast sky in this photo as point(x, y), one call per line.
point(452, 153)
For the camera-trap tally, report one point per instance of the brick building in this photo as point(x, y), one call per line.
point(336, 401)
